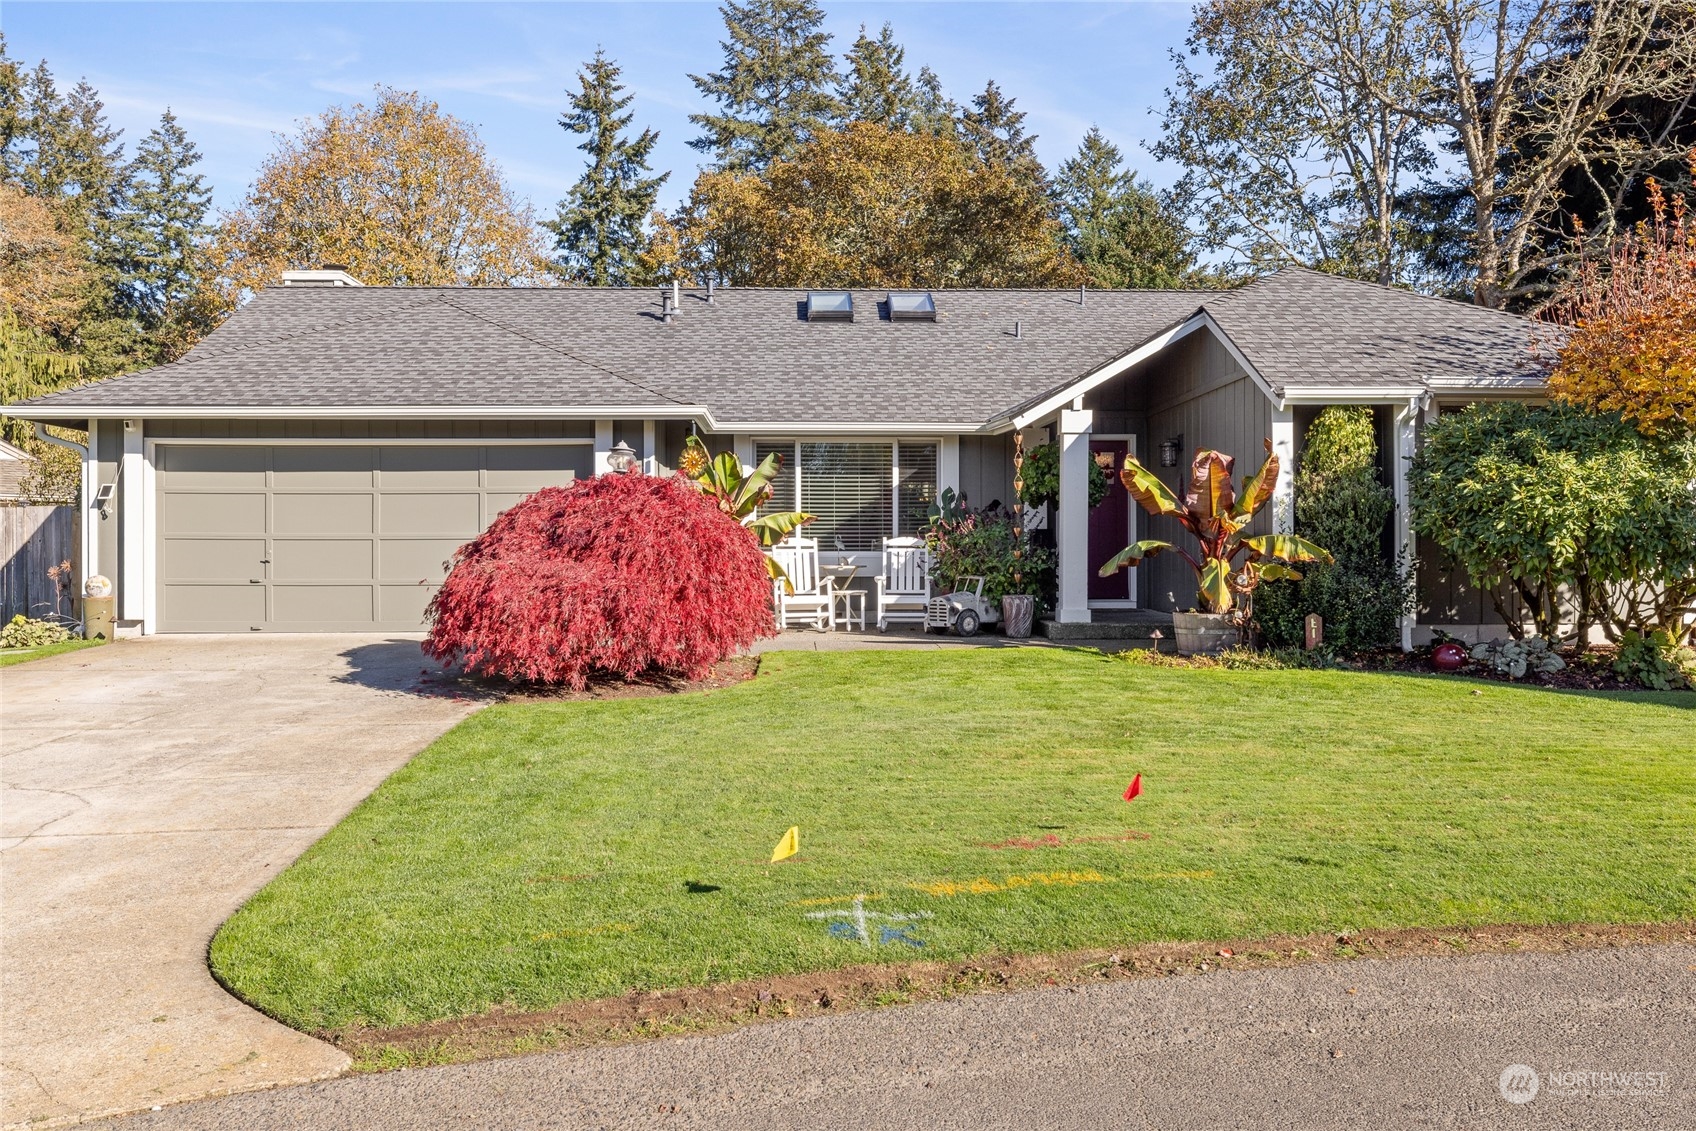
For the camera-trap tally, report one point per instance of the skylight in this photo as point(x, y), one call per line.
point(830, 306)
point(911, 306)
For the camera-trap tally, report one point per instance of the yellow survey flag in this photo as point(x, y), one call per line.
point(788, 846)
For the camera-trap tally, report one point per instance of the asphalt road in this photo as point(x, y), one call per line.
point(1401, 1043)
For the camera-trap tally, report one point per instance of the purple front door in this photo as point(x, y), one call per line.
point(1110, 524)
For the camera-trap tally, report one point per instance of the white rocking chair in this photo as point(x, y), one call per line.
point(810, 603)
point(903, 587)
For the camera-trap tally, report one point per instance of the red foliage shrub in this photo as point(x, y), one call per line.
point(620, 574)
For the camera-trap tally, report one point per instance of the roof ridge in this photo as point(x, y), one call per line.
point(495, 322)
point(1448, 303)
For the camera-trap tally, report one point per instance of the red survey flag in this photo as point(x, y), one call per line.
point(1134, 790)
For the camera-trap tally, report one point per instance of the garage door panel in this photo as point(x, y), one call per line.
point(309, 468)
point(415, 559)
point(416, 467)
point(212, 513)
point(213, 559)
point(322, 559)
point(214, 465)
point(212, 608)
point(318, 513)
point(322, 605)
point(435, 513)
point(530, 467)
point(404, 604)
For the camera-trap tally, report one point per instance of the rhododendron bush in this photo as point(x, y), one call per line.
point(618, 575)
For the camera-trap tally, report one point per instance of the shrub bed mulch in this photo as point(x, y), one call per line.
point(1592, 671)
point(714, 1008)
point(456, 684)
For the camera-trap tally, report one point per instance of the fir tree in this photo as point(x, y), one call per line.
point(1122, 233)
point(995, 133)
point(934, 112)
point(599, 226)
point(776, 88)
point(876, 87)
point(163, 232)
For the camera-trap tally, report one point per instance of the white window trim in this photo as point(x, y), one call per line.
point(893, 442)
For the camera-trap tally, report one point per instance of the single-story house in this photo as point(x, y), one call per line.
point(312, 463)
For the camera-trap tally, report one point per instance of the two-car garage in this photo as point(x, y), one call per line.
point(313, 536)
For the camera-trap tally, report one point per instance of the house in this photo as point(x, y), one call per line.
point(311, 464)
point(15, 466)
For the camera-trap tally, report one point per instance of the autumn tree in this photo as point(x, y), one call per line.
point(871, 206)
point(1118, 229)
point(1630, 346)
point(776, 88)
point(598, 228)
point(1286, 159)
point(399, 192)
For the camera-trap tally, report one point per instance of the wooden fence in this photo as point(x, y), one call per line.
point(32, 541)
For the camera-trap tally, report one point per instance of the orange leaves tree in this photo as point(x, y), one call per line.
point(869, 206)
point(399, 192)
point(1631, 346)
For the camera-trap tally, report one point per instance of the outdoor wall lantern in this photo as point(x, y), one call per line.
point(622, 458)
point(1170, 451)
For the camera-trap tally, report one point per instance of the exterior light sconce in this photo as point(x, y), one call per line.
point(622, 458)
point(1171, 451)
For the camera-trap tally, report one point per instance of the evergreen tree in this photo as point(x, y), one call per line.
point(599, 226)
point(1117, 228)
point(995, 133)
point(934, 112)
point(163, 235)
point(776, 89)
point(876, 87)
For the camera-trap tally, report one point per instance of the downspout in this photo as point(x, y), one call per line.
point(1406, 420)
point(87, 541)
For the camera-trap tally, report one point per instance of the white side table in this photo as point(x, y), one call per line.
point(848, 608)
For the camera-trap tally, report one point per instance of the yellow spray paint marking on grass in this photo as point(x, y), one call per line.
point(584, 932)
point(985, 886)
point(1206, 874)
point(838, 899)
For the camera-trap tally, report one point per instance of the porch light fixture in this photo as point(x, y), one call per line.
point(622, 458)
point(1171, 451)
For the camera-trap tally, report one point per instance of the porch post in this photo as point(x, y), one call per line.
point(1284, 491)
point(1406, 426)
point(603, 446)
point(1073, 531)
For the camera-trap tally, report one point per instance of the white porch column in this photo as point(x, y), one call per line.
point(650, 465)
point(948, 465)
point(1406, 432)
point(132, 506)
point(1284, 491)
point(603, 446)
point(1073, 530)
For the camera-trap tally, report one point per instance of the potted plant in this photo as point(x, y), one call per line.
point(1215, 514)
point(987, 544)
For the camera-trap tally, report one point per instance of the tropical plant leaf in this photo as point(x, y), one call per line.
point(774, 528)
point(1257, 488)
point(1214, 586)
point(1210, 494)
point(1272, 571)
point(1147, 489)
point(1133, 554)
point(1287, 547)
point(778, 573)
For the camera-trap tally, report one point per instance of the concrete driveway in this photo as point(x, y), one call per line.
point(150, 787)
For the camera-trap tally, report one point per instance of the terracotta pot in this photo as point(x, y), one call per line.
point(1203, 633)
point(1017, 612)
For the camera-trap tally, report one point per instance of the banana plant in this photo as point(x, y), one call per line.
point(1215, 514)
point(740, 493)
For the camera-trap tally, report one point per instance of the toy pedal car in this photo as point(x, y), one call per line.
point(964, 611)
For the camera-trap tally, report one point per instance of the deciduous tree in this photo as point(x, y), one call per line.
point(399, 192)
point(776, 88)
point(599, 226)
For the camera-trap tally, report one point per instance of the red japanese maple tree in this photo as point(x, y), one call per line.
point(619, 575)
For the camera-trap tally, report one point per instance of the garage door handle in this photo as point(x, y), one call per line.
point(256, 581)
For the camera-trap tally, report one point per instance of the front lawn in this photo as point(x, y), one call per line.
point(543, 852)
point(10, 656)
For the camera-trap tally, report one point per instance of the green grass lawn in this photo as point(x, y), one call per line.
point(10, 656)
point(542, 852)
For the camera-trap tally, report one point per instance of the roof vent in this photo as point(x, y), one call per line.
point(912, 306)
point(329, 275)
point(830, 306)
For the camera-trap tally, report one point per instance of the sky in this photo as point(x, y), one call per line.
point(237, 74)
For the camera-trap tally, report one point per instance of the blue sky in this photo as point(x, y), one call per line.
point(237, 73)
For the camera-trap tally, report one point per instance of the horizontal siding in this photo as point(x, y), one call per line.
point(371, 429)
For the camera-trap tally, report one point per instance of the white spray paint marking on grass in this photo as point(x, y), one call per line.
point(853, 922)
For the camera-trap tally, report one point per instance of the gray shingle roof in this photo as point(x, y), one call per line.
point(749, 357)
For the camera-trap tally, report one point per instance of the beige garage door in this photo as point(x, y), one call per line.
point(329, 537)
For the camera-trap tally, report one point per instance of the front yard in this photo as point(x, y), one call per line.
point(971, 802)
